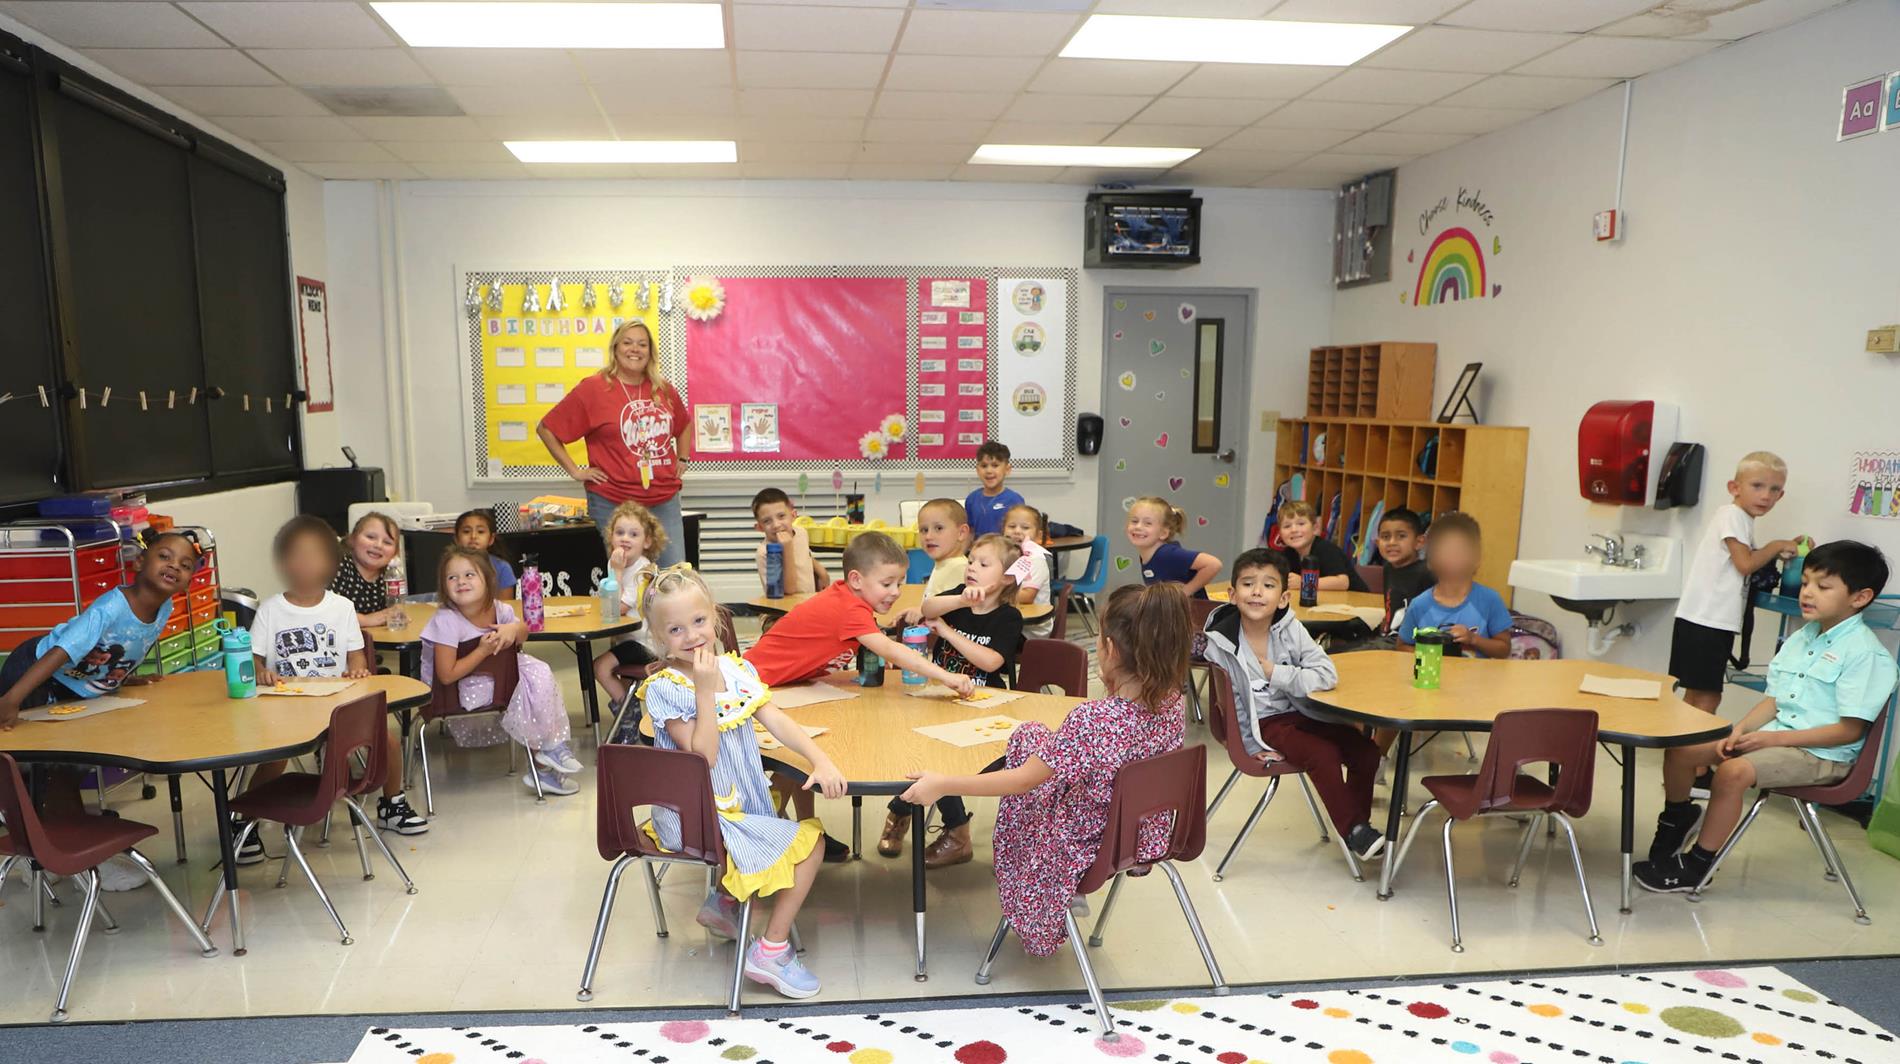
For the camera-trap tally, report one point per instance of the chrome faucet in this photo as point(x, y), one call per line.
point(1611, 551)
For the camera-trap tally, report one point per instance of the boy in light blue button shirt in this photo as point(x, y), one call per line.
point(1826, 685)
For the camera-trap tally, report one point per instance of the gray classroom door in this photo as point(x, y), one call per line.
point(1175, 410)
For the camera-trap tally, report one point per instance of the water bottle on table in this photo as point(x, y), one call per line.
point(396, 585)
point(240, 672)
point(609, 594)
point(1428, 657)
point(531, 609)
point(775, 570)
point(916, 638)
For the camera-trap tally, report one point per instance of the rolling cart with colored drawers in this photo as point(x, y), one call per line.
point(189, 639)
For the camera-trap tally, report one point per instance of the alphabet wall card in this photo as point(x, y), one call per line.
point(1860, 108)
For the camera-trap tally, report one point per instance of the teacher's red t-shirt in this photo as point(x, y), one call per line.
point(624, 428)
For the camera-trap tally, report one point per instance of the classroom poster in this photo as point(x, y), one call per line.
point(1032, 340)
point(1875, 485)
point(313, 328)
point(952, 366)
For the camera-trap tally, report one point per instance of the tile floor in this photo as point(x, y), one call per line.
point(509, 891)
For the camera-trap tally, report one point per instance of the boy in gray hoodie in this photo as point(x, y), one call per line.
point(1274, 665)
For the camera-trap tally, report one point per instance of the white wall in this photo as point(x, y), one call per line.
point(1758, 253)
point(1272, 240)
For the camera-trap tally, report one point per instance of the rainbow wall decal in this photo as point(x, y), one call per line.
point(1453, 269)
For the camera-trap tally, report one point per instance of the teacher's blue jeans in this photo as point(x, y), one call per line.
point(601, 510)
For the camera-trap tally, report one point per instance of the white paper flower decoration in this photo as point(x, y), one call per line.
point(705, 298)
point(874, 445)
point(893, 427)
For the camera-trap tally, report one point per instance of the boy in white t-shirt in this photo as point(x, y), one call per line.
point(1714, 593)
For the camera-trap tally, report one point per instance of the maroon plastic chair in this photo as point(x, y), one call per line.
point(1223, 720)
point(679, 782)
point(1059, 612)
point(445, 701)
point(1199, 610)
point(75, 845)
point(1172, 784)
point(299, 799)
point(1053, 663)
point(1565, 740)
point(1805, 799)
point(1374, 576)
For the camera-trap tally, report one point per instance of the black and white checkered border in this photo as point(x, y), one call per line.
point(478, 412)
point(676, 341)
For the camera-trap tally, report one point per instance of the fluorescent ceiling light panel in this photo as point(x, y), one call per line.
point(1228, 40)
point(1080, 155)
point(624, 151)
point(555, 25)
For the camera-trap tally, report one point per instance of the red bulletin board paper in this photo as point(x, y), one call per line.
point(938, 415)
point(830, 351)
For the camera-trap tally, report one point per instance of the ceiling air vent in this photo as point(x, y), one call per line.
point(405, 101)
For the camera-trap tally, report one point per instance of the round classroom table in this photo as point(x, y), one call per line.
point(1221, 589)
point(1056, 545)
point(577, 629)
point(1375, 687)
point(870, 738)
point(908, 598)
point(189, 724)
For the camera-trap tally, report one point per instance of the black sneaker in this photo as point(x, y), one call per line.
point(1675, 826)
point(1366, 842)
point(395, 814)
point(252, 852)
point(1678, 874)
point(1700, 789)
point(836, 852)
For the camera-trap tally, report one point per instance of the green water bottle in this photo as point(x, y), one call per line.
point(1428, 657)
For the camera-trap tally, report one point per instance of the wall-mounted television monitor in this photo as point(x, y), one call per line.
point(1142, 229)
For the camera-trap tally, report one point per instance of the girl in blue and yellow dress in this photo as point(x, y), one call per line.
point(706, 702)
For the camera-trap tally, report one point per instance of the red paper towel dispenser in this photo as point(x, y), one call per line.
point(1615, 442)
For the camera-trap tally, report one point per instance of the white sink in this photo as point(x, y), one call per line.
point(1588, 580)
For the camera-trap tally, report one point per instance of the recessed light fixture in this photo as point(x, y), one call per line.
point(1080, 155)
point(555, 25)
point(1228, 40)
point(624, 151)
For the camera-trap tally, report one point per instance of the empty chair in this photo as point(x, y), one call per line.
point(299, 799)
point(1053, 663)
point(920, 565)
point(75, 845)
point(1059, 612)
point(445, 701)
point(1223, 720)
point(1092, 582)
point(1805, 799)
point(1171, 783)
point(1374, 576)
point(1199, 610)
point(1565, 740)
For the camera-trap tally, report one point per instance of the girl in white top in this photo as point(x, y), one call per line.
point(634, 540)
point(1025, 526)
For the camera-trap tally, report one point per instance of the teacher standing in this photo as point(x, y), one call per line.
point(634, 424)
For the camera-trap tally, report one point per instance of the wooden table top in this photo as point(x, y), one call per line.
point(1375, 687)
point(1220, 589)
point(585, 625)
point(1056, 545)
point(188, 723)
point(908, 598)
point(870, 737)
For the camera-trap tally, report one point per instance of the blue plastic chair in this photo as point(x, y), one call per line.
point(1092, 582)
point(920, 567)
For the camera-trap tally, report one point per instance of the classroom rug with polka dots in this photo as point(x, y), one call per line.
point(1745, 1015)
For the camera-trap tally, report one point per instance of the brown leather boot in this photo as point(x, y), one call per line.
point(891, 843)
point(951, 848)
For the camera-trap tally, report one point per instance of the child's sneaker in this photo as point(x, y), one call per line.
point(1675, 826)
point(558, 758)
point(1703, 784)
point(720, 915)
point(1366, 842)
point(118, 873)
point(397, 815)
point(252, 852)
point(551, 782)
point(1677, 874)
point(783, 972)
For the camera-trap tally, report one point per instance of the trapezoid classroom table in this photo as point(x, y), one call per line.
point(1375, 687)
point(908, 598)
point(188, 724)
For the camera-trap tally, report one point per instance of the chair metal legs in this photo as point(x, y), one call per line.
point(1273, 785)
point(422, 755)
point(1734, 837)
point(1094, 988)
point(1583, 884)
point(1810, 819)
point(1194, 927)
point(738, 958)
point(1517, 868)
point(996, 946)
point(1108, 906)
point(1306, 789)
point(89, 880)
point(205, 948)
point(1833, 857)
point(600, 923)
point(291, 836)
point(1524, 848)
point(369, 828)
point(1221, 795)
point(217, 895)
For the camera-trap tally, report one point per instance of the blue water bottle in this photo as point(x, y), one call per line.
point(774, 570)
point(240, 673)
point(917, 639)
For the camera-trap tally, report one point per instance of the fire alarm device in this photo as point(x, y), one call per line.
point(1607, 226)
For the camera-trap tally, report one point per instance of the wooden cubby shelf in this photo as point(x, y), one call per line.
point(1387, 379)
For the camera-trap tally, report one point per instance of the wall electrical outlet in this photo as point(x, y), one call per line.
point(1884, 340)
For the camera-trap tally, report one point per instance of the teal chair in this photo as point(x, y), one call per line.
point(1092, 582)
point(920, 567)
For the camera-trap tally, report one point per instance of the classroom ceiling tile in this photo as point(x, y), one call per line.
point(926, 130)
point(632, 171)
point(1327, 180)
point(1685, 22)
point(1109, 77)
point(1097, 175)
point(834, 3)
point(952, 152)
point(1386, 142)
point(1262, 162)
point(758, 150)
point(1517, 90)
point(943, 105)
point(1252, 81)
point(451, 151)
point(1140, 135)
point(778, 127)
point(1554, 16)
point(292, 24)
point(510, 171)
point(1213, 176)
point(1205, 111)
point(1022, 175)
point(361, 171)
point(1262, 138)
point(810, 70)
point(499, 66)
point(1464, 51)
point(1187, 8)
point(1352, 164)
point(419, 129)
point(1054, 107)
point(327, 151)
point(546, 127)
point(1327, 114)
point(1360, 85)
point(1389, 12)
point(1049, 132)
point(304, 128)
point(985, 33)
point(113, 25)
point(901, 171)
point(647, 125)
point(665, 99)
point(944, 73)
point(525, 99)
point(653, 68)
point(338, 67)
point(223, 101)
point(792, 171)
point(1471, 120)
point(1613, 57)
point(816, 103)
point(184, 66)
point(813, 29)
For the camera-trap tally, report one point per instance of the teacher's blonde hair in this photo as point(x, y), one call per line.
point(654, 378)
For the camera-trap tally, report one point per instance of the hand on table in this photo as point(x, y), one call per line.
point(964, 686)
point(926, 788)
point(358, 674)
point(267, 678)
point(825, 778)
point(9, 713)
